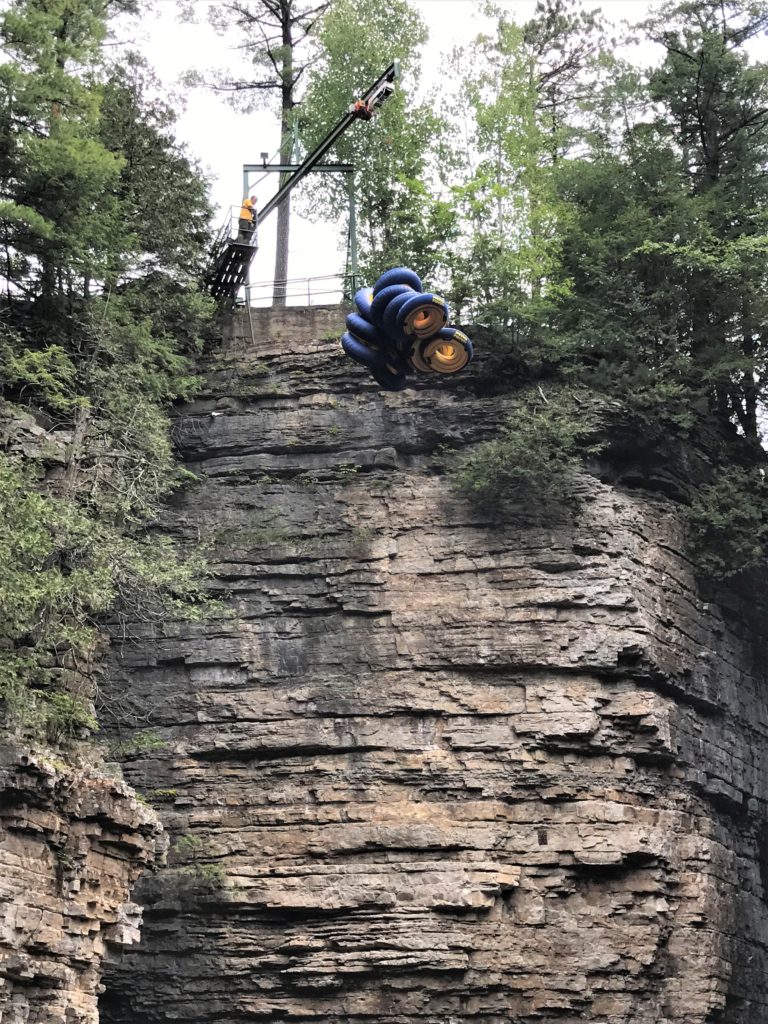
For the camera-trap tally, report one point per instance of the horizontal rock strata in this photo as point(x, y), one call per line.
point(72, 844)
point(432, 767)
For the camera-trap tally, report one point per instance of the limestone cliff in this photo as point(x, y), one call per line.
point(433, 768)
point(72, 844)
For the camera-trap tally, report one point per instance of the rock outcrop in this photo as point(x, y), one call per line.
point(435, 768)
point(72, 844)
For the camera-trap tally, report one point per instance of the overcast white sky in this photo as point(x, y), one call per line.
point(224, 140)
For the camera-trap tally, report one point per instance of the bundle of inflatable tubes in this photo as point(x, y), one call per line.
point(398, 328)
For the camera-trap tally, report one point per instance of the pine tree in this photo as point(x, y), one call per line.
point(163, 195)
point(59, 214)
point(715, 103)
point(666, 246)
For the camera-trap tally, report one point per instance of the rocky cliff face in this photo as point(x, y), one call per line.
point(72, 844)
point(434, 768)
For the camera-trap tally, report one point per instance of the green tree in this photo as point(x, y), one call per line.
point(402, 220)
point(59, 215)
point(163, 195)
point(655, 295)
point(666, 245)
point(101, 323)
point(517, 103)
point(715, 103)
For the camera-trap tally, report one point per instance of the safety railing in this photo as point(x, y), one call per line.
point(327, 290)
point(235, 229)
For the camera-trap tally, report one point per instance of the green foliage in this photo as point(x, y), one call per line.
point(57, 181)
point(211, 878)
point(158, 796)
point(101, 324)
point(43, 593)
point(163, 195)
point(90, 176)
point(537, 455)
point(141, 741)
point(506, 191)
point(192, 875)
point(614, 232)
point(513, 111)
point(669, 210)
point(400, 219)
point(728, 522)
point(65, 717)
point(188, 846)
point(63, 566)
point(45, 376)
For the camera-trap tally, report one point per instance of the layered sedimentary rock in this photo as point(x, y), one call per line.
point(72, 844)
point(435, 767)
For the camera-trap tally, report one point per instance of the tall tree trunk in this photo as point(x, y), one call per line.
point(283, 227)
point(749, 386)
point(286, 148)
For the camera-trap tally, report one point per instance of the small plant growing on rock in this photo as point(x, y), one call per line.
point(188, 846)
point(143, 741)
point(190, 873)
point(537, 454)
point(156, 796)
point(347, 470)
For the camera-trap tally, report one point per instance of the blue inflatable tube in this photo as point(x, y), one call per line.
point(364, 330)
point(363, 300)
point(388, 380)
point(389, 319)
point(398, 275)
point(384, 297)
point(360, 352)
point(423, 315)
point(396, 328)
point(448, 352)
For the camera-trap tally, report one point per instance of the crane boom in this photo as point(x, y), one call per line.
point(380, 91)
point(232, 258)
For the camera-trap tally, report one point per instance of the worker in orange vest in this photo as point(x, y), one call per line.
point(362, 110)
point(247, 221)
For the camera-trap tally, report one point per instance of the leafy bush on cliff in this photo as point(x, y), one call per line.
point(537, 454)
point(103, 231)
point(728, 522)
point(63, 566)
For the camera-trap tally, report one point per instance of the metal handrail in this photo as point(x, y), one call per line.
point(303, 288)
point(230, 230)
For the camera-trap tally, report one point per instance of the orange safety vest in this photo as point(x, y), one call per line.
point(246, 210)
